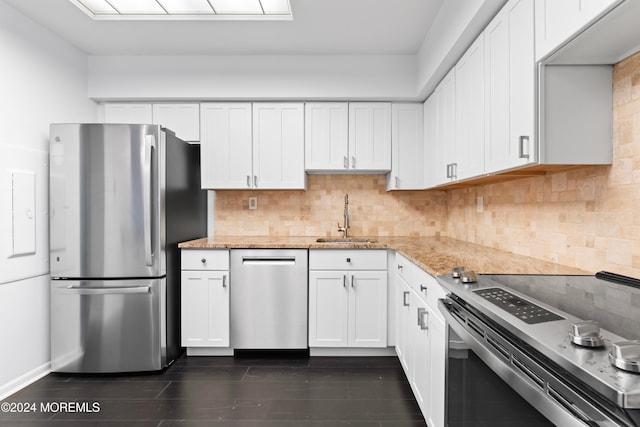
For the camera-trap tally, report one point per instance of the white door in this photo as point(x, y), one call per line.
point(407, 142)
point(205, 308)
point(470, 106)
point(510, 87)
point(370, 136)
point(128, 113)
point(421, 358)
point(183, 119)
point(328, 309)
point(226, 145)
point(278, 146)
point(367, 309)
point(326, 136)
point(446, 138)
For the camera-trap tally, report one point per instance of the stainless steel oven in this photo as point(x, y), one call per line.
point(512, 361)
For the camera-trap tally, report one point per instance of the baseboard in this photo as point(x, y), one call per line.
point(353, 352)
point(209, 351)
point(21, 382)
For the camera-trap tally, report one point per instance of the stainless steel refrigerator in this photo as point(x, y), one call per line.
point(121, 198)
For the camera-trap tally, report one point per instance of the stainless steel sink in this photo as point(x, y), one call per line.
point(346, 240)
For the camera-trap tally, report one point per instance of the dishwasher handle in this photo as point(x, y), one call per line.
point(267, 260)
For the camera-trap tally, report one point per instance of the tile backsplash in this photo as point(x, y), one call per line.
point(587, 217)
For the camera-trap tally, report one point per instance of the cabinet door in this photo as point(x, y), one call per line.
point(368, 309)
point(437, 360)
point(205, 308)
point(226, 145)
point(128, 113)
point(470, 119)
point(420, 377)
point(403, 329)
point(278, 146)
point(370, 136)
point(430, 141)
point(328, 309)
point(510, 90)
point(326, 136)
point(407, 142)
point(446, 138)
point(183, 119)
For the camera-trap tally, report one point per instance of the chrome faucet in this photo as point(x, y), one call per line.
point(345, 228)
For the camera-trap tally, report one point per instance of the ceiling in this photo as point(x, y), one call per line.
point(319, 27)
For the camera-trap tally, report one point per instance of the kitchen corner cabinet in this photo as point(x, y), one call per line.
point(420, 337)
point(205, 298)
point(407, 147)
point(183, 119)
point(252, 146)
point(347, 298)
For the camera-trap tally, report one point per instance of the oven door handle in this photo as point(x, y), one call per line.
point(525, 387)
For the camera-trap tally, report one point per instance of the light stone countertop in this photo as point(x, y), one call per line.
point(435, 255)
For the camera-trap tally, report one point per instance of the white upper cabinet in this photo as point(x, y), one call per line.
point(326, 136)
point(559, 21)
point(470, 112)
point(183, 119)
point(226, 155)
point(128, 113)
point(278, 146)
point(446, 129)
point(407, 143)
point(252, 146)
point(430, 141)
point(510, 87)
point(370, 136)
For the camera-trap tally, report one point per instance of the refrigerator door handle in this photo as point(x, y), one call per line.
point(78, 290)
point(149, 146)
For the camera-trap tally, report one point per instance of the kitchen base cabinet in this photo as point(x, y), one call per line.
point(420, 342)
point(347, 305)
point(205, 299)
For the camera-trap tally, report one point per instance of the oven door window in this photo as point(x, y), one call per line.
point(478, 397)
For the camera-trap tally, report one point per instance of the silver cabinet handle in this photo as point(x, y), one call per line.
point(352, 281)
point(224, 281)
point(524, 147)
point(255, 181)
point(422, 313)
point(423, 288)
point(400, 267)
point(248, 181)
point(344, 280)
point(454, 170)
point(353, 161)
point(346, 162)
point(397, 182)
point(405, 294)
point(449, 170)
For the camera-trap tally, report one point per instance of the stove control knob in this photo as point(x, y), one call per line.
point(468, 276)
point(586, 334)
point(626, 355)
point(456, 272)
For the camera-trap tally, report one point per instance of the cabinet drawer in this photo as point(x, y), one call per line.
point(205, 259)
point(348, 259)
point(423, 284)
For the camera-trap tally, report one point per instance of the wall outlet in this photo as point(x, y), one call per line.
point(253, 203)
point(480, 204)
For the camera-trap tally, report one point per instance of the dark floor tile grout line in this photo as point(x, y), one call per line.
point(162, 391)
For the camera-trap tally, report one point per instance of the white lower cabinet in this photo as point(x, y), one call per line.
point(347, 306)
point(205, 298)
point(420, 338)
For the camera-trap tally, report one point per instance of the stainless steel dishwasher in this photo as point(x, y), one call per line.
point(269, 299)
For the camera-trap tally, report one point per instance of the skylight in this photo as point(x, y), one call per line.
point(186, 9)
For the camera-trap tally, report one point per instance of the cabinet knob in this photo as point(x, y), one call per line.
point(203, 260)
point(349, 260)
point(423, 288)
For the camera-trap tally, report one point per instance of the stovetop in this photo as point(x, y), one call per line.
point(541, 309)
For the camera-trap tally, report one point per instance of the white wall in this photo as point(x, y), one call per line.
point(258, 77)
point(44, 80)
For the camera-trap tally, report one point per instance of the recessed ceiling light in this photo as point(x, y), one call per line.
point(186, 9)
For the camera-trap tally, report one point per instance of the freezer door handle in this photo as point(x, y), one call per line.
point(149, 146)
point(79, 290)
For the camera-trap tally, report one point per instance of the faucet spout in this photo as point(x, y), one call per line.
point(345, 229)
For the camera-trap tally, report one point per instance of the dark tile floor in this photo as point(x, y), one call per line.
point(251, 390)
